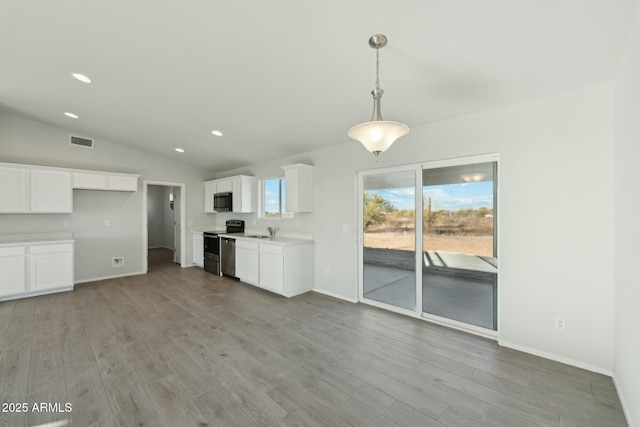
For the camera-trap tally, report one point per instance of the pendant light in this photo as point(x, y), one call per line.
point(377, 135)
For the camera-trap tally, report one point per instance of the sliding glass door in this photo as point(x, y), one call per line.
point(452, 243)
point(389, 243)
point(459, 273)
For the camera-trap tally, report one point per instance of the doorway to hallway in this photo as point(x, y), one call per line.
point(163, 222)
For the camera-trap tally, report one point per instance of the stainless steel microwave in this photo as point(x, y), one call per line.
point(222, 202)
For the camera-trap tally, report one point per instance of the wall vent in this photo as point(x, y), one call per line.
point(81, 142)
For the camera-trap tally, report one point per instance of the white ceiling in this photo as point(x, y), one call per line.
point(282, 77)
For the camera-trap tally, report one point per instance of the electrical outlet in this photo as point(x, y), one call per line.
point(117, 262)
point(66, 224)
point(107, 222)
point(560, 323)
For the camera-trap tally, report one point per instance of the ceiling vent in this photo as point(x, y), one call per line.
point(81, 142)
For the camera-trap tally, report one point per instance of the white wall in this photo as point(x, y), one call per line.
point(155, 216)
point(168, 217)
point(30, 142)
point(556, 219)
point(627, 237)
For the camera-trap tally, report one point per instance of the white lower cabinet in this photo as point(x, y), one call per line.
point(29, 269)
point(272, 267)
point(247, 261)
point(286, 269)
point(51, 266)
point(13, 270)
point(198, 249)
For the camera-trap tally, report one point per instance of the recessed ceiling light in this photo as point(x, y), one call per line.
point(179, 150)
point(72, 115)
point(81, 77)
point(216, 132)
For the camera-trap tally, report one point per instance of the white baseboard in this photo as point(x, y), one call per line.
point(625, 408)
point(96, 279)
point(557, 358)
point(36, 293)
point(331, 294)
point(193, 264)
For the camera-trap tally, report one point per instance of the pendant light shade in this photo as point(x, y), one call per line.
point(378, 134)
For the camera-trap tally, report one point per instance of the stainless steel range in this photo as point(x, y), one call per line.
point(215, 260)
point(212, 252)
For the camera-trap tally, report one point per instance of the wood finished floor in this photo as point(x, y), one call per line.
point(181, 347)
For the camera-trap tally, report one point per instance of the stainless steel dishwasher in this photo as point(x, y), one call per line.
point(228, 263)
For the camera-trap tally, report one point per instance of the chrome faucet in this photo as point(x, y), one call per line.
point(272, 231)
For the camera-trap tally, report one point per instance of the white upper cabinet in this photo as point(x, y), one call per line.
point(88, 180)
point(122, 182)
point(209, 190)
point(243, 192)
point(51, 191)
point(241, 188)
point(13, 189)
point(35, 189)
point(224, 186)
point(299, 187)
point(42, 189)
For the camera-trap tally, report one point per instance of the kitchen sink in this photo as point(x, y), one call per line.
point(259, 237)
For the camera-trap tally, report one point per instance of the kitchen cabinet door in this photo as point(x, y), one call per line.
point(13, 188)
point(224, 186)
point(89, 181)
point(198, 249)
point(51, 191)
point(51, 266)
point(12, 270)
point(122, 182)
point(247, 261)
point(299, 187)
point(272, 268)
point(243, 191)
point(209, 191)
point(105, 181)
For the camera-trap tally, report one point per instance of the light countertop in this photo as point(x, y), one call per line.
point(202, 229)
point(278, 240)
point(36, 238)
